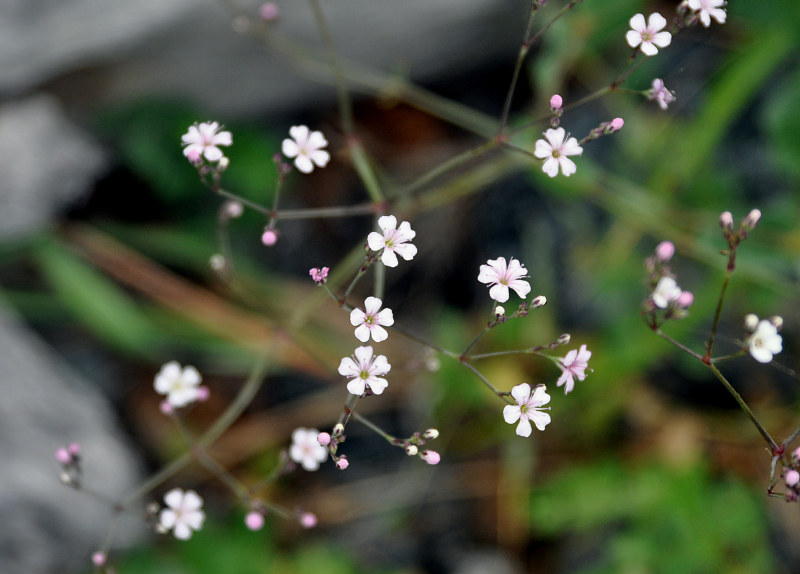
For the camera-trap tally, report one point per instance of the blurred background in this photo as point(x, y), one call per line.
point(106, 234)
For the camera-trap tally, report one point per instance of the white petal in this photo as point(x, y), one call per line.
point(637, 23)
point(520, 287)
point(376, 241)
point(303, 164)
point(540, 396)
point(174, 498)
point(511, 414)
point(317, 140)
point(555, 137)
point(499, 293)
point(656, 21)
point(385, 317)
point(567, 166)
point(662, 39)
point(290, 148)
point(379, 334)
point(299, 133)
point(540, 419)
point(524, 427)
point(356, 386)
point(321, 158)
point(648, 49)
point(550, 167)
point(349, 368)
point(378, 385)
point(182, 531)
point(388, 258)
point(387, 222)
point(633, 38)
point(167, 518)
point(372, 305)
point(363, 355)
point(362, 333)
point(543, 149)
point(521, 393)
point(357, 317)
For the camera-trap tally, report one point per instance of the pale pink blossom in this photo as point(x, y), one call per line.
point(99, 559)
point(765, 342)
point(183, 514)
point(254, 520)
point(305, 147)
point(203, 140)
point(324, 439)
point(371, 321)
point(319, 275)
point(179, 384)
point(306, 450)
point(269, 11)
point(270, 236)
point(365, 370)
point(660, 94)
point(665, 250)
point(573, 366)
point(707, 9)
point(666, 292)
point(555, 151)
point(648, 35)
point(308, 520)
point(502, 277)
point(392, 240)
point(529, 407)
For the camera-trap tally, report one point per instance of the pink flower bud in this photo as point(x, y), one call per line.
point(269, 237)
point(324, 439)
point(165, 408)
point(63, 456)
point(203, 393)
point(684, 300)
point(556, 102)
point(99, 559)
point(726, 220)
point(319, 275)
point(792, 477)
point(194, 157)
point(796, 454)
point(616, 124)
point(308, 520)
point(254, 520)
point(665, 250)
point(233, 209)
point(270, 11)
point(342, 463)
point(431, 457)
point(751, 219)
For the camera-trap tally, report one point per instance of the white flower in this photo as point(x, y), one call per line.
point(708, 9)
point(529, 407)
point(202, 140)
point(666, 292)
point(183, 513)
point(306, 450)
point(648, 36)
point(573, 365)
point(393, 240)
point(503, 277)
point(660, 94)
point(555, 151)
point(765, 342)
point(306, 147)
point(371, 321)
point(179, 384)
point(365, 370)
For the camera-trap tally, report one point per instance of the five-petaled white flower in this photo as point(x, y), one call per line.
point(573, 365)
point(393, 240)
point(503, 277)
point(179, 384)
point(555, 151)
point(203, 140)
point(365, 370)
point(529, 408)
point(306, 450)
point(708, 9)
point(666, 292)
point(183, 513)
point(371, 321)
point(765, 342)
point(305, 147)
point(660, 94)
point(648, 36)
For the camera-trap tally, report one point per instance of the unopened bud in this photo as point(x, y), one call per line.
point(233, 209)
point(324, 439)
point(665, 250)
point(684, 300)
point(217, 262)
point(556, 102)
point(270, 11)
point(412, 450)
point(539, 301)
point(308, 520)
point(750, 322)
point(342, 463)
point(563, 339)
point(751, 219)
point(792, 478)
point(616, 124)
point(99, 559)
point(431, 457)
point(499, 311)
point(726, 220)
point(776, 321)
point(223, 163)
point(254, 520)
point(338, 429)
point(431, 433)
point(269, 237)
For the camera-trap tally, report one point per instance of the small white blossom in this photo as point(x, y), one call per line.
point(666, 292)
point(183, 513)
point(370, 322)
point(648, 35)
point(179, 384)
point(305, 147)
point(660, 94)
point(503, 277)
point(306, 450)
point(529, 407)
point(393, 240)
point(365, 371)
point(573, 365)
point(708, 9)
point(555, 151)
point(203, 140)
point(765, 342)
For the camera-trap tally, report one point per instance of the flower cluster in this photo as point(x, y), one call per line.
point(660, 94)
point(791, 477)
point(305, 450)
point(665, 293)
point(70, 460)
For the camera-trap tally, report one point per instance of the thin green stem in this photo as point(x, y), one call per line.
point(372, 426)
point(484, 379)
point(523, 52)
point(717, 314)
point(680, 345)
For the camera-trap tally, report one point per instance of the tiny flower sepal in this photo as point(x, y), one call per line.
point(529, 407)
point(371, 321)
point(305, 147)
point(183, 514)
point(393, 240)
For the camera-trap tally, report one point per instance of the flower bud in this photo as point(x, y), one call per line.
point(431, 433)
point(269, 237)
point(556, 102)
point(616, 124)
point(233, 209)
point(751, 220)
point(684, 300)
point(324, 439)
point(499, 311)
point(665, 250)
point(539, 301)
point(792, 478)
point(342, 463)
point(63, 456)
point(412, 450)
point(217, 262)
point(338, 429)
point(254, 520)
point(563, 339)
point(776, 321)
point(99, 559)
point(726, 220)
point(750, 322)
point(269, 11)
point(431, 457)
point(223, 163)
point(308, 520)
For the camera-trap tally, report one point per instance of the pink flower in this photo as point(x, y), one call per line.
point(183, 513)
point(708, 9)
point(529, 408)
point(393, 240)
point(319, 275)
point(555, 151)
point(648, 36)
point(179, 384)
point(660, 94)
point(503, 277)
point(203, 140)
point(370, 322)
point(666, 292)
point(573, 365)
point(365, 371)
point(305, 147)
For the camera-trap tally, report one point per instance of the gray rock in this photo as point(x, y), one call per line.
point(48, 162)
point(46, 526)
